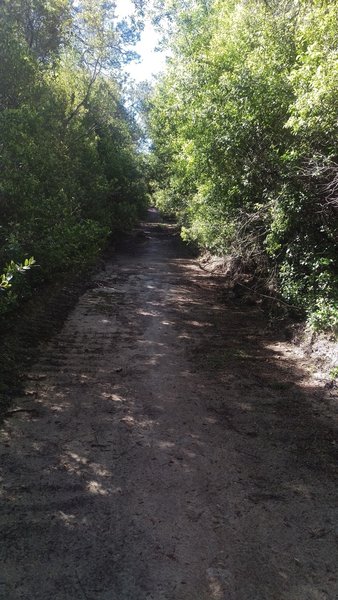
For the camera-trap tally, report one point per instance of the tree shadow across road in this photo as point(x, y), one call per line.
point(169, 447)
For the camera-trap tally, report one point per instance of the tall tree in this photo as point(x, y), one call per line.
point(244, 136)
point(71, 166)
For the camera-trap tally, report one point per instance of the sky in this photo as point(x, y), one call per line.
point(151, 62)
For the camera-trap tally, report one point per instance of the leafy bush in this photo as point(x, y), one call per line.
point(70, 162)
point(244, 128)
point(324, 317)
point(8, 281)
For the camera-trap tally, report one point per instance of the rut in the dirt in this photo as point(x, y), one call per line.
point(166, 448)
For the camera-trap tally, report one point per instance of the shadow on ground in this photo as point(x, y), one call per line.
point(168, 446)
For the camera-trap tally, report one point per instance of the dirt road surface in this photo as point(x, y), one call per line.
point(167, 446)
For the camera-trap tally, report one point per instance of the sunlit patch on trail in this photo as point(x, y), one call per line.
point(113, 397)
point(218, 582)
point(100, 470)
point(94, 487)
point(73, 463)
point(165, 445)
point(68, 520)
point(145, 313)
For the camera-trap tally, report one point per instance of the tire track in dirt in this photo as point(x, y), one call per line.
point(167, 447)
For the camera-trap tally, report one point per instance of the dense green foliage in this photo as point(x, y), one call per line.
point(71, 172)
point(244, 127)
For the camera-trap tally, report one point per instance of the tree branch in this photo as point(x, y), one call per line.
point(96, 72)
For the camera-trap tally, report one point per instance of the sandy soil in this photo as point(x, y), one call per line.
point(168, 446)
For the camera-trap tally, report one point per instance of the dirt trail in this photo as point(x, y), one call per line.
point(168, 447)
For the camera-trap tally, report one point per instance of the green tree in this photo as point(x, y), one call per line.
point(69, 155)
point(245, 144)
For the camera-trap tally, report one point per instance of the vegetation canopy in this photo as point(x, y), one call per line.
point(244, 129)
point(72, 172)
